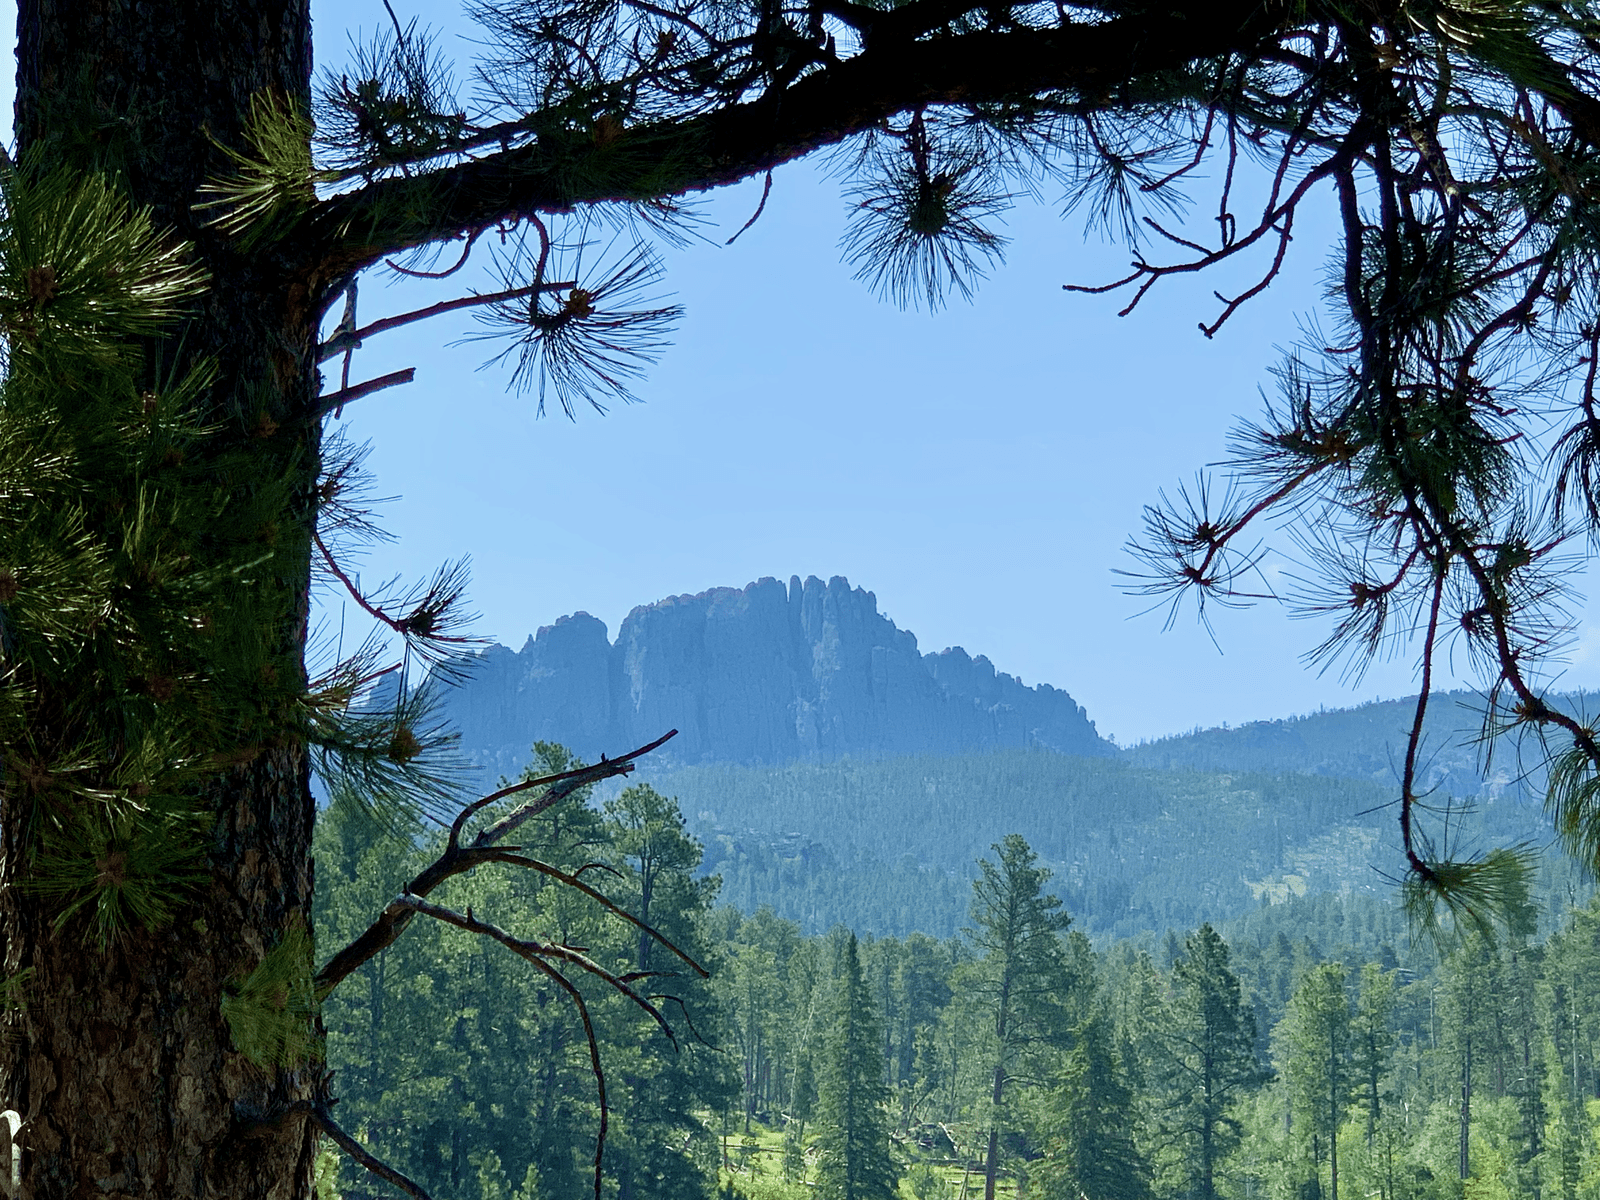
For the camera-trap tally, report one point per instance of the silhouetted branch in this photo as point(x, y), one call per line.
point(338, 344)
point(506, 855)
point(893, 74)
point(531, 949)
point(336, 401)
point(392, 921)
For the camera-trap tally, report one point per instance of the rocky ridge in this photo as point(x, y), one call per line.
point(760, 674)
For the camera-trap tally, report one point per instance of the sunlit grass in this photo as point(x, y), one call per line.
point(753, 1167)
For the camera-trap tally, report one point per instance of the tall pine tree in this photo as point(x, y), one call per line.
point(852, 1103)
point(1209, 1061)
point(1319, 1067)
point(1023, 981)
point(1372, 1040)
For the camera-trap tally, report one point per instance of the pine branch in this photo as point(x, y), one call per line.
point(728, 144)
point(318, 1111)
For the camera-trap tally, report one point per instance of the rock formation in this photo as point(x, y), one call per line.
point(763, 674)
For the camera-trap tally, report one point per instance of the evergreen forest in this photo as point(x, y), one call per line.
point(888, 846)
point(1305, 1048)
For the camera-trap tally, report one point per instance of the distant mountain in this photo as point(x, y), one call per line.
point(762, 674)
point(1368, 742)
point(834, 771)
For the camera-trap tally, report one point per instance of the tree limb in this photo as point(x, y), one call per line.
point(318, 1111)
point(392, 921)
point(531, 949)
point(335, 401)
point(1085, 61)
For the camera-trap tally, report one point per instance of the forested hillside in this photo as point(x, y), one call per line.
point(1368, 742)
point(887, 846)
point(1305, 1049)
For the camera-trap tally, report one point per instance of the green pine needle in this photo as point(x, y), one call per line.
point(1480, 898)
point(273, 183)
point(271, 1013)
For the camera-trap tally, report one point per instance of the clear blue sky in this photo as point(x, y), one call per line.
point(980, 469)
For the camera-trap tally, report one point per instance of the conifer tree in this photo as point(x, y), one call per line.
point(1318, 1064)
point(1373, 1039)
point(647, 834)
point(662, 1086)
point(1023, 981)
point(185, 207)
point(852, 1103)
point(1085, 1133)
point(1209, 1062)
point(1474, 987)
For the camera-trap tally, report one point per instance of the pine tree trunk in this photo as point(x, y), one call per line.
point(121, 1064)
point(1208, 1182)
point(991, 1157)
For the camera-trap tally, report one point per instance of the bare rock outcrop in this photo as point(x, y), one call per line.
point(761, 674)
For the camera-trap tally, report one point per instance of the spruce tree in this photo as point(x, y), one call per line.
point(853, 1120)
point(1084, 1130)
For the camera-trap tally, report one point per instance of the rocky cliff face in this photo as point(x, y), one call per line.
point(763, 674)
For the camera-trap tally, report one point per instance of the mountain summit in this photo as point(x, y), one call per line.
point(761, 674)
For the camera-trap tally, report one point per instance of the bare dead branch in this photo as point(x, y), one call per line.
point(1277, 218)
point(392, 921)
point(595, 1067)
point(530, 949)
point(318, 1111)
point(342, 342)
point(508, 823)
point(466, 253)
point(335, 402)
point(506, 855)
point(766, 190)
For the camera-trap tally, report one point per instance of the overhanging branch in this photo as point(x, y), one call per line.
point(392, 921)
point(1074, 62)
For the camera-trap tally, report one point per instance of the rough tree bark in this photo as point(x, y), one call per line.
point(121, 1063)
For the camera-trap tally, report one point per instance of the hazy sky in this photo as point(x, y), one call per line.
point(980, 469)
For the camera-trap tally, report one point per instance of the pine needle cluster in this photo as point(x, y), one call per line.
point(136, 572)
point(270, 1012)
point(146, 575)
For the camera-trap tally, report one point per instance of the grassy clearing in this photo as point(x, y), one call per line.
point(754, 1168)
